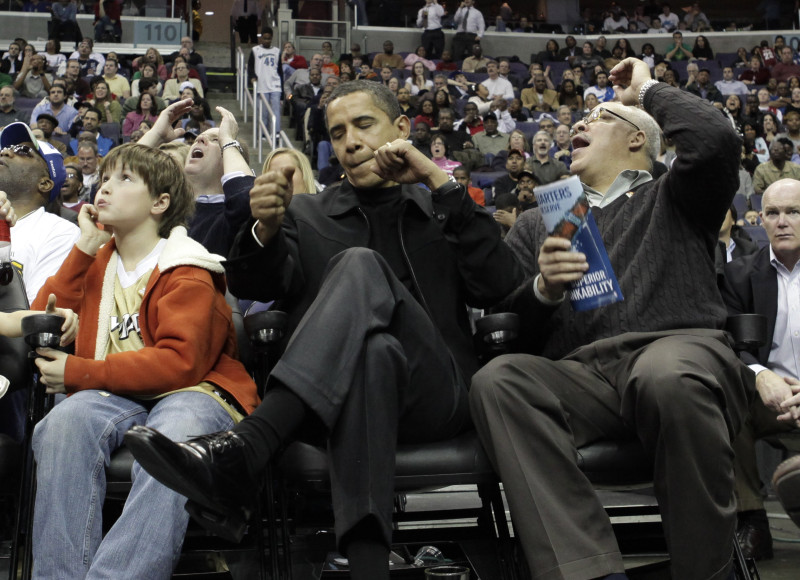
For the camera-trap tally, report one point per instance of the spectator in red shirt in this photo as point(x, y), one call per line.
point(756, 74)
point(291, 61)
point(462, 175)
point(768, 57)
point(786, 68)
point(446, 64)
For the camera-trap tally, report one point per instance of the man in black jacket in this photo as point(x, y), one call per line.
point(765, 283)
point(656, 366)
point(376, 276)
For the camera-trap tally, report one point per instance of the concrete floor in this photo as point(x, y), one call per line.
point(786, 543)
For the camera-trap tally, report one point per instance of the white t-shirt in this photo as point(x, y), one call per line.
point(40, 243)
point(499, 86)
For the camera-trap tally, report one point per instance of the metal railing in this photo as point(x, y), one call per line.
point(259, 129)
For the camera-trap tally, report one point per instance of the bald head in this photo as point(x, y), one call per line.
point(780, 215)
point(615, 138)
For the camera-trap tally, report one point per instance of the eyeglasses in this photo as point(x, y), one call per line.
point(21, 150)
point(595, 115)
point(71, 175)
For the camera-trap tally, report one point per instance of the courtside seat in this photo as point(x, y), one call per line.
point(610, 463)
point(456, 461)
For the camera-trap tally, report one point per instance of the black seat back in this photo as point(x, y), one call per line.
point(14, 363)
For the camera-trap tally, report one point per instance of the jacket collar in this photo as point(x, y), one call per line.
point(345, 199)
point(180, 250)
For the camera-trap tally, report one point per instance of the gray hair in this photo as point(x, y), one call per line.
point(651, 130)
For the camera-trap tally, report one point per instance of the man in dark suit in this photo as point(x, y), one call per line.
point(733, 243)
point(736, 243)
point(767, 283)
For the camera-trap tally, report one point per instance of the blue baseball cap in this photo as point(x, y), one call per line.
point(19, 132)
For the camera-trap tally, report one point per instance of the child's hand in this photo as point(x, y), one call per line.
point(51, 364)
point(6, 211)
point(69, 330)
point(92, 237)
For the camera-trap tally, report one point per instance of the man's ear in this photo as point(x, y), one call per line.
point(403, 125)
point(45, 186)
point(160, 204)
point(637, 141)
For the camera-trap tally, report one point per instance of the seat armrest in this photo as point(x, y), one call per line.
point(497, 328)
point(265, 328)
point(749, 331)
point(496, 334)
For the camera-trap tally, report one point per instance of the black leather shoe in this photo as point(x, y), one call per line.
point(786, 482)
point(755, 539)
point(209, 470)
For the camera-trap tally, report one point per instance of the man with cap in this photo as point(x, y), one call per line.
point(490, 140)
point(71, 190)
point(524, 190)
point(47, 124)
point(31, 174)
point(515, 162)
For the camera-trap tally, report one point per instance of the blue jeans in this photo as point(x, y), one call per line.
point(324, 152)
point(72, 446)
point(274, 100)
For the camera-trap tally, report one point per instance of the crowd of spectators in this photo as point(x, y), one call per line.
point(486, 98)
point(85, 98)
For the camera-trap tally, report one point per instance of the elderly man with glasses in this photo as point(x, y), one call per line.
point(654, 367)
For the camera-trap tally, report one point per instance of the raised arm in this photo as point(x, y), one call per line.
point(704, 177)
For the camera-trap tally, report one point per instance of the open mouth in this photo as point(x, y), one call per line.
point(579, 141)
point(197, 154)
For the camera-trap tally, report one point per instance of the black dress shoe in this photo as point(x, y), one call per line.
point(786, 482)
point(209, 470)
point(755, 539)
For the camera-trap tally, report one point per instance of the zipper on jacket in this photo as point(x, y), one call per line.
point(410, 267)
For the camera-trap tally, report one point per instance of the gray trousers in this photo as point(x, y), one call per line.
point(369, 362)
point(762, 422)
point(682, 393)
